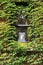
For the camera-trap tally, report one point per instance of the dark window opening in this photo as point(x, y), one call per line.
point(22, 3)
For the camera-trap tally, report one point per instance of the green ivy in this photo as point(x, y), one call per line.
point(17, 53)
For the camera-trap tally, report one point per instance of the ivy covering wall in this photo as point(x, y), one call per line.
point(11, 51)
